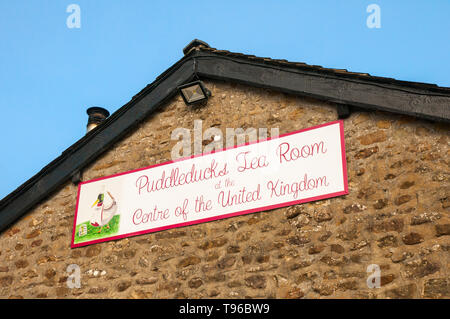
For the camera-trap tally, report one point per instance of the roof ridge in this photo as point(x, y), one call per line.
point(336, 71)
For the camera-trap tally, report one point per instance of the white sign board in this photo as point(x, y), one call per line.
point(293, 168)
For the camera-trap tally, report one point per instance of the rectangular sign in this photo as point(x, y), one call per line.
point(293, 168)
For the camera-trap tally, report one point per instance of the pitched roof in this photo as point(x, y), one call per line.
point(346, 89)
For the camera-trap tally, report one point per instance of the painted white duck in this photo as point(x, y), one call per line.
point(104, 211)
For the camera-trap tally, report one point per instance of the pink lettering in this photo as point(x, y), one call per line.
point(288, 153)
point(279, 188)
point(143, 182)
point(140, 217)
point(253, 163)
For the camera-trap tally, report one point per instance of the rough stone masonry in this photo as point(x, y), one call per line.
point(396, 215)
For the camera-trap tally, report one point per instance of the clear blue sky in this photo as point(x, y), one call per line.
point(50, 74)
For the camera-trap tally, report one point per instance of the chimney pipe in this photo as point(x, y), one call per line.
point(96, 116)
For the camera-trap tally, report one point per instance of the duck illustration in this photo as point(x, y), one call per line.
point(104, 211)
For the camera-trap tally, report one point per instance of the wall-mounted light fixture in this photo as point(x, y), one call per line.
point(194, 92)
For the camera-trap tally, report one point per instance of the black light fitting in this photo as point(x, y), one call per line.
point(194, 92)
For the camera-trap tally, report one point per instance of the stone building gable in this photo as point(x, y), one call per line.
point(347, 91)
point(396, 216)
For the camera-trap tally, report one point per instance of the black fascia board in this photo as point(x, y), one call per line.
point(362, 93)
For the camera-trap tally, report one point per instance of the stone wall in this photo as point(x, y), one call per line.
point(396, 216)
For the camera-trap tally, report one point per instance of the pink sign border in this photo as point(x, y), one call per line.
point(204, 220)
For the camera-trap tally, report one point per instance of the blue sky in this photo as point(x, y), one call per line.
point(50, 74)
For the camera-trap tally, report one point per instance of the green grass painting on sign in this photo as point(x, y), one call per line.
point(92, 232)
